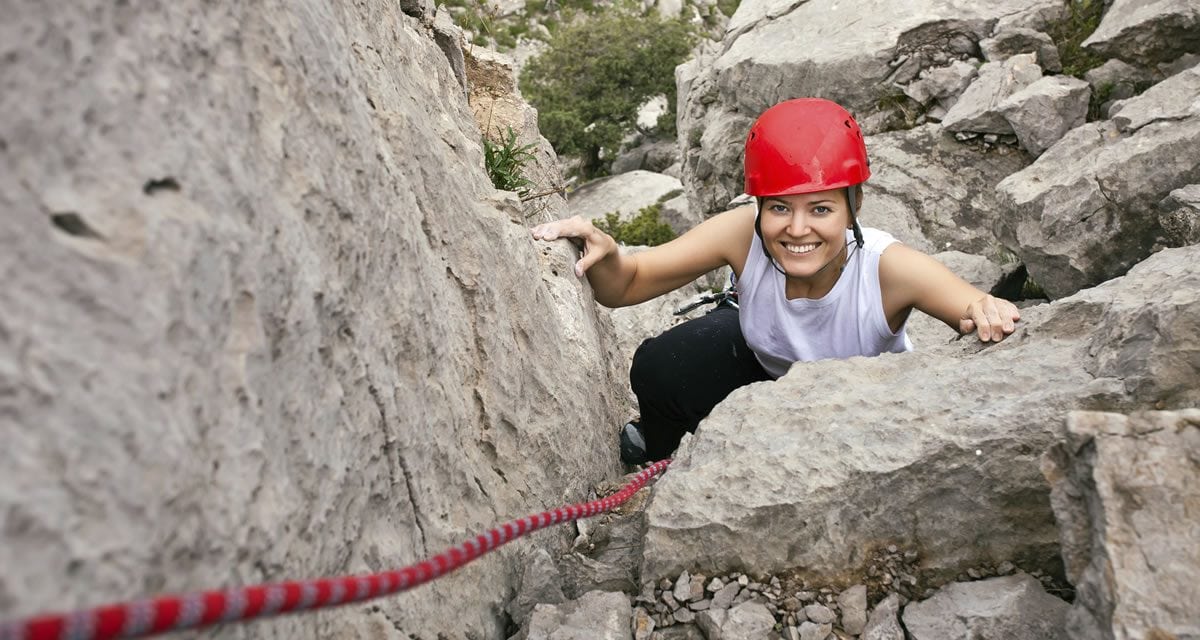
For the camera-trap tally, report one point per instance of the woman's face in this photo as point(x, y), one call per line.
point(805, 232)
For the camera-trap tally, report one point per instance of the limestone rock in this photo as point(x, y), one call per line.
point(853, 604)
point(887, 43)
point(654, 156)
point(1009, 42)
point(1043, 112)
point(597, 615)
point(879, 441)
point(540, 584)
point(1078, 214)
point(1179, 215)
point(1115, 80)
point(610, 563)
point(624, 193)
point(747, 621)
point(978, 108)
point(814, 631)
point(935, 194)
point(884, 622)
point(1123, 487)
point(1014, 607)
point(262, 320)
point(1147, 31)
point(497, 105)
point(942, 85)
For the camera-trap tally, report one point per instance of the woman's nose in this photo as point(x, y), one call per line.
point(798, 225)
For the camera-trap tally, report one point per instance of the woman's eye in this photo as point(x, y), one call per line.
point(778, 208)
point(821, 211)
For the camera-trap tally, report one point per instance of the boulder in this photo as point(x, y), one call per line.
point(1124, 489)
point(935, 194)
point(884, 621)
point(978, 108)
point(942, 85)
point(1009, 42)
point(1043, 112)
point(1011, 607)
point(625, 193)
point(596, 615)
point(1115, 80)
point(651, 156)
point(1147, 31)
point(1082, 213)
point(498, 106)
point(266, 318)
point(540, 583)
point(883, 45)
point(836, 458)
point(1179, 215)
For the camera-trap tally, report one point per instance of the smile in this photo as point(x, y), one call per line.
point(800, 249)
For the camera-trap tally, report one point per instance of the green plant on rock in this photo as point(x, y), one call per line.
point(646, 228)
point(505, 161)
point(1084, 16)
point(590, 81)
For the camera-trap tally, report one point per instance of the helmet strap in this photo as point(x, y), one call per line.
point(858, 235)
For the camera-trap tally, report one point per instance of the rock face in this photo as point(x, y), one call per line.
point(1125, 489)
point(1013, 607)
point(625, 193)
point(1147, 31)
point(1083, 212)
point(852, 455)
point(597, 615)
point(261, 321)
point(880, 45)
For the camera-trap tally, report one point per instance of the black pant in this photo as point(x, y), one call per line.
point(680, 375)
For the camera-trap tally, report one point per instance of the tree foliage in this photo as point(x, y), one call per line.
point(646, 228)
point(591, 79)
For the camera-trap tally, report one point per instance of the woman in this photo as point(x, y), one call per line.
point(812, 284)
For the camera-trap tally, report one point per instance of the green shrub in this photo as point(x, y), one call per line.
point(591, 79)
point(644, 229)
point(1083, 19)
point(505, 162)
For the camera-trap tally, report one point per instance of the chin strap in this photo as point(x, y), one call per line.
point(858, 235)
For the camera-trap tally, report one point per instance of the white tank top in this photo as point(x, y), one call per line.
point(849, 321)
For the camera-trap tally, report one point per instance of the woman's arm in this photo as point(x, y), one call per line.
point(620, 280)
point(910, 279)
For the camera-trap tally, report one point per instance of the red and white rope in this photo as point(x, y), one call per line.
point(188, 611)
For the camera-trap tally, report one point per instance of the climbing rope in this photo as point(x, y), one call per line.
point(189, 611)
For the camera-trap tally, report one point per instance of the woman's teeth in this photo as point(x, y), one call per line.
point(800, 248)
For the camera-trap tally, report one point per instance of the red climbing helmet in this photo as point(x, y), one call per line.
point(804, 145)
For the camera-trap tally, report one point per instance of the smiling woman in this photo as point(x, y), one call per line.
point(812, 283)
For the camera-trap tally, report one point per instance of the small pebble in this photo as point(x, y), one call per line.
point(893, 548)
point(715, 585)
point(700, 605)
point(1005, 568)
point(684, 615)
point(743, 580)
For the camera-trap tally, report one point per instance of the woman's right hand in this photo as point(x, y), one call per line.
point(596, 244)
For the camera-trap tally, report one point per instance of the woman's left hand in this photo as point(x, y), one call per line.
point(992, 318)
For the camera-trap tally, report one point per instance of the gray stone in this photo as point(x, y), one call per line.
point(1147, 31)
point(913, 446)
point(256, 291)
point(1123, 488)
point(650, 156)
point(1078, 214)
point(748, 621)
point(711, 621)
point(884, 621)
point(683, 587)
point(936, 195)
point(723, 90)
point(625, 194)
point(1116, 80)
point(819, 614)
point(942, 85)
point(1179, 215)
point(1043, 112)
point(597, 615)
point(1014, 607)
point(684, 615)
point(677, 213)
point(978, 108)
point(724, 598)
point(449, 37)
point(1009, 42)
point(643, 624)
point(540, 584)
point(852, 603)
point(814, 631)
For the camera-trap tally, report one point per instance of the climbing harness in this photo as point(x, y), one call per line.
point(190, 611)
point(726, 298)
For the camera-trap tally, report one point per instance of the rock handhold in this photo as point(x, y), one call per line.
point(1123, 488)
point(1012, 607)
point(978, 108)
point(1043, 112)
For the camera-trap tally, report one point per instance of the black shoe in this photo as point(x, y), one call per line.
point(633, 445)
